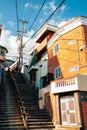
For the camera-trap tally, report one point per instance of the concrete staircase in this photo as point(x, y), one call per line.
point(36, 119)
point(10, 116)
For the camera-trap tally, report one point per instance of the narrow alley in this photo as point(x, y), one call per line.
point(10, 116)
point(17, 100)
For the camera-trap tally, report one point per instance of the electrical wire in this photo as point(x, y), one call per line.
point(46, 20)
point(36, 15)
point(30, 12)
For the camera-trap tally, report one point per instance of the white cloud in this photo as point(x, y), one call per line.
point(41, 20)
point(52, 5)
point(63, 8)
point(49, 8)
point(9, 41)
point(30, 5)
point(30, 33)
point(11, 23)
point(62, 23)
point(26, 5)
point(53, 22)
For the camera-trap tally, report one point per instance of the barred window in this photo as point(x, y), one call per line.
point(56, 49)
point(57, 73)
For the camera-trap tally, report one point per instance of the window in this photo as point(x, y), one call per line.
point(1, 52)
point(57, 73)
point(56, 49)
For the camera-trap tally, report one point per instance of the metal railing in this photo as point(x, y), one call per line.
point(20, 102)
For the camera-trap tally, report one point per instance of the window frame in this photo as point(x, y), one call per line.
point(57, 73)
point(56, 49)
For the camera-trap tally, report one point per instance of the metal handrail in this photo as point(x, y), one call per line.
point(20, 102)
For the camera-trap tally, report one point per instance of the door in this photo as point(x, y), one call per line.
point(68, 111)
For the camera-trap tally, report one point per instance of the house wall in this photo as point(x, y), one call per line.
point(69, 56)
point(50, 104)
point(72, 61)
point(33, 76)
point(42, 71)
point(42, 63)
point(42, 45)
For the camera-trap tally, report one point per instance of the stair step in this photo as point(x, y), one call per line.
point(37, 117)
point(42, 129)
point(4, 117)
point(41, 126)
point(38, 114)
point(40, 123)
point(10, 115)
point(11, 120)
point(10, 106)
point(12, 124)
point(9, 112)
point(38, 120)
point(12, 127)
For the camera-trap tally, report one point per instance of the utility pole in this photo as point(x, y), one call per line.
point(21, 45)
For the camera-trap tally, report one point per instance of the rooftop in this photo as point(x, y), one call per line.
point(72, 24)
point(43, 31)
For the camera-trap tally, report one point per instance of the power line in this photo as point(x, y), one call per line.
point(17, 15)
point(46, 20)
point(37, 15)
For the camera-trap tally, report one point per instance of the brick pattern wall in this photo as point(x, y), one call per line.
point(51, 105)
point(84, 109)
point(68, 56)
point(48, 103)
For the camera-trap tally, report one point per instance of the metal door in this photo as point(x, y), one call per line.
point(68, 111)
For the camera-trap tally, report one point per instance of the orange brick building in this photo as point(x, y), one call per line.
point(66, 96)
point(72, 49)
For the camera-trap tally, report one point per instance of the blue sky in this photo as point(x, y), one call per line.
point(27, 10)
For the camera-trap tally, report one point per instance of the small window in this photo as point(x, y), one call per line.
point(57, 73)
point(1, 52)
point(56, 49)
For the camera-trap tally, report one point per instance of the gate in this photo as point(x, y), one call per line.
point(68, 111)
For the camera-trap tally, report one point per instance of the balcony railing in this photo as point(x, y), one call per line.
point(72, 84)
